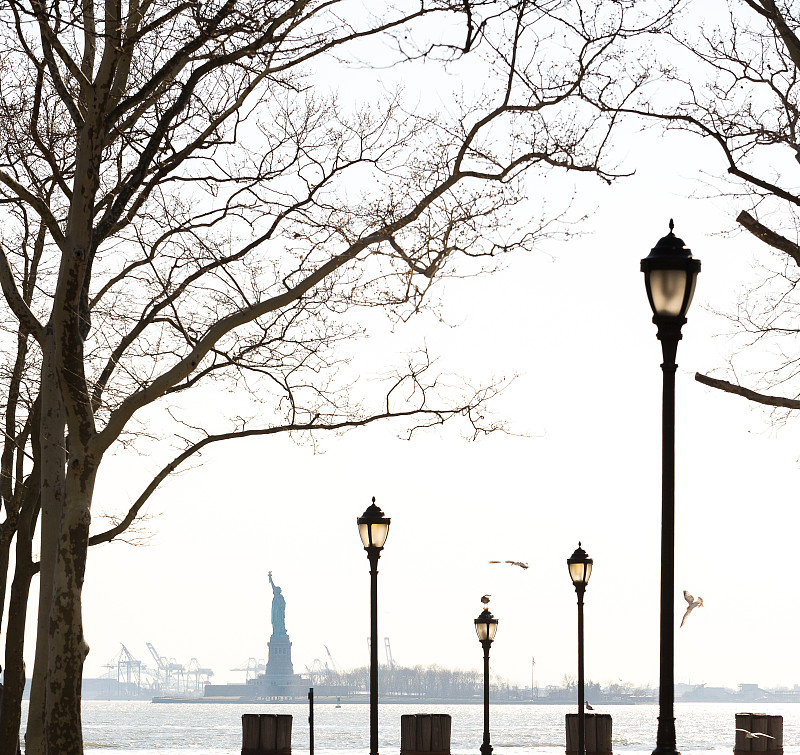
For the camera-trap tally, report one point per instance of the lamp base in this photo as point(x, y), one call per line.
point(665, 737)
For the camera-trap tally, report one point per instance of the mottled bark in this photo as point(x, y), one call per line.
point(53, 461)
point(66, 646)
point(68, 649)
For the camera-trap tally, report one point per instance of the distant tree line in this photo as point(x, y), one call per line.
point(456, 684)
point(425, 681)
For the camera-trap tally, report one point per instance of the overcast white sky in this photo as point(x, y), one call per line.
point(573, 320)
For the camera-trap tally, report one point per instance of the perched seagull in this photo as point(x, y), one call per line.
point(485, 600)
point(692, 605)
point(521, 564)
point(754, 734)
point(588, 707)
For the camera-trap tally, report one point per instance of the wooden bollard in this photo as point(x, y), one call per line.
point(266, 734)
point(759, 723)
point(427, 733)
point(597, 733)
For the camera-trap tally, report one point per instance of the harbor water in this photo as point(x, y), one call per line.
point(143, 728)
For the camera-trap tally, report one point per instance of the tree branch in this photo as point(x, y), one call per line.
point(769, 236)
point(38, 204)
point(194, 448)
point(15, 301)
point(750, 395)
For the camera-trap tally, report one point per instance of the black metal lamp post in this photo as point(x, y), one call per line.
point(373, 526)
point(580, 569)
point(670, 274)
point(486, 626)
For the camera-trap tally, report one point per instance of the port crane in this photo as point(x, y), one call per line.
point(317, 672)
point(252, 668)
point(333, 663)
point(201, 676)
point(320, 670)
point(129, 670)
point(170, 673)
point(135, 679)
point(389, 659)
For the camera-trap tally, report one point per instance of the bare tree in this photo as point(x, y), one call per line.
point(183, 206)
point(729, 73)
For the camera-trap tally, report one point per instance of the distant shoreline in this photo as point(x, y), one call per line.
point(438, 701)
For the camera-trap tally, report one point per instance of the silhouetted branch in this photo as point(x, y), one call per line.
point(750, 395)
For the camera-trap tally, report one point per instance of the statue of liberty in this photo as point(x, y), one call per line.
point(278, 611)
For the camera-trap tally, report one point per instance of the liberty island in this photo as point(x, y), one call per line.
point(278, 680)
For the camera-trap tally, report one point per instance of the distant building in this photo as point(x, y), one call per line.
point(700, 693)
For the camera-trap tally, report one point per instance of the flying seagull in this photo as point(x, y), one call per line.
point(754, 734)
point(521, 564)
point(692, 604)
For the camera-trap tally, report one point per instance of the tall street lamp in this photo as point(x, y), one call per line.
point(486, 626)
point(580, 569)
point(373, 526)
point(670, 274)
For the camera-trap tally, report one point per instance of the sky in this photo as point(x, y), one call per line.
point(583, 464)
point(574, 322)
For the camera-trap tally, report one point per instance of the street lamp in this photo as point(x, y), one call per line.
point(486, 626)
point(580, 569)
point(373, 526)
point(670, 274)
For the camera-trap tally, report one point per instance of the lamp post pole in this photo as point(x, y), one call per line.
point(373, 527)
point(486, 626)
point(486, 747)
point(580, 569)
point(581, 712)
point(666, 741)
point(373, 554)
point(670, 274)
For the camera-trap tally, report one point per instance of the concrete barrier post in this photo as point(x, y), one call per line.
point(425, 734)
point(758, 732)
point(598, 733)
point(266, 734)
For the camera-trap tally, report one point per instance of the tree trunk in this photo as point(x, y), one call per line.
point(53, 460)
point(68, 649)
point(5, 550)
point(14, 679)
point(24, 570)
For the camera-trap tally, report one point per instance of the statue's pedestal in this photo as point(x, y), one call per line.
point(279, 664)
